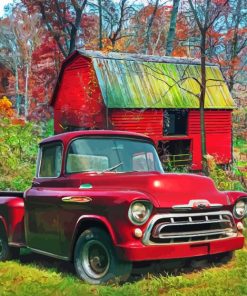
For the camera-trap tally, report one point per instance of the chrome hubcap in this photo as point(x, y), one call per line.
point(95, 259)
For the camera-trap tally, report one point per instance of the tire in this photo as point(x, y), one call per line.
point(95, 259)
point(222, 258)
point(7, 252)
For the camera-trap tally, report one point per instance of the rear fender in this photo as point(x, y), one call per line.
point(4, 225)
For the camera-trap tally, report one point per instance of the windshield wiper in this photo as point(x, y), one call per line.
point(112, 168)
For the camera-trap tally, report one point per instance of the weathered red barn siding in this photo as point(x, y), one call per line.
point(218, 135)
point(149, 122)
point(78, 102)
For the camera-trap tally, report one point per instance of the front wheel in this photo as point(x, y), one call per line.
point(222, 258)
point(95, 259)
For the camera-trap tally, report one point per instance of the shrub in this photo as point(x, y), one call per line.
point(228, 179)
point(18, 150)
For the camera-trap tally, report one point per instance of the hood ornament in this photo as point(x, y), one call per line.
point(197, 204)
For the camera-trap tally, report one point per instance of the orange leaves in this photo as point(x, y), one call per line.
point(182, 29)
point(18, 121)
point(6, 107)
point(180, 51)
point(7, 111)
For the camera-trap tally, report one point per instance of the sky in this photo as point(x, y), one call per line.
point(2, 4)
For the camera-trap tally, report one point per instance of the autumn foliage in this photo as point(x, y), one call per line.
point(36, 36)
point(6, 109)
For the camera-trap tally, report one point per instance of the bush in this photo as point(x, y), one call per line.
point(18, 151)
point(228, 179)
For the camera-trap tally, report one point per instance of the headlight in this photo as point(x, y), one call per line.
point(240, 209)
point(139, 212)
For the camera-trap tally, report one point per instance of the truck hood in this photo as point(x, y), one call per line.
point(166, 190)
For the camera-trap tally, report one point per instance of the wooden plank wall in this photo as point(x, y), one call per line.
point(79, 102)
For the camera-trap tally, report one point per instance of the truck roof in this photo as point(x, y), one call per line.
point(68, 136)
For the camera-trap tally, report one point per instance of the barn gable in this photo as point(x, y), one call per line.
point(77, 97)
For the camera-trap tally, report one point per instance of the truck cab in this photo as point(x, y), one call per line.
point(102, 200)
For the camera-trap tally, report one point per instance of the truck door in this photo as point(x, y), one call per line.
point(42, 218)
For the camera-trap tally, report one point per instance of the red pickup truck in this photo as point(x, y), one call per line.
point(102, 200)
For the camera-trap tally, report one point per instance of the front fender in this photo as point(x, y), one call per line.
point(236, 195)
point(87, 221)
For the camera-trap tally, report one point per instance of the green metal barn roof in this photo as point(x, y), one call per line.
point(141, 81)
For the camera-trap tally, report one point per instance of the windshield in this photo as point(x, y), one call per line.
point(112, 154)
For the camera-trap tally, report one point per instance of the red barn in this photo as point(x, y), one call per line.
point(157, 96)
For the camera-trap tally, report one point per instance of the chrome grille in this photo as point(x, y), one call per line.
point(189, 227)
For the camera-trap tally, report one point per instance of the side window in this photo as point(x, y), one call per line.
point(51, 160)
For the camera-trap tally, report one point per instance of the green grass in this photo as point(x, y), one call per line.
point(25, 279)
point(241, 144)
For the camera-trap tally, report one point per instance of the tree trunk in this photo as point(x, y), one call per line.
point(18, 99)
point(202, 102)
point(115, 36)
point(26, 103)
point(234, 47)
point(100, 25)
point(74, 30)
point(172, 28)
point(149, 28)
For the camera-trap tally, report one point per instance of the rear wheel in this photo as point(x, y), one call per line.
point(7, 252)
point(95, 259)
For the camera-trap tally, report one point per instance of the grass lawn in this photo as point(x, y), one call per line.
point(26, 278)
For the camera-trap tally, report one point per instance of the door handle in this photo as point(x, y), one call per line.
point(78, 199)
point(36, 183)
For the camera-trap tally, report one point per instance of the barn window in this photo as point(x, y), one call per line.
point(175, 153)
point(175, 122)
point(71, 128)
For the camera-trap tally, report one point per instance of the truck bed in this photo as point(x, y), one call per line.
point(12, 216)
point(12, 193)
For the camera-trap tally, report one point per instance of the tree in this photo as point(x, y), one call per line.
point(28, 32)
point(172, 28)
point(185, 31)
point(115, 19)
point(20, 35)
point(205, 13)
point(100, 25)
point(149, 27)
point(234, 43)
point(10, 54)
point(44, 71)
point(62, 18)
